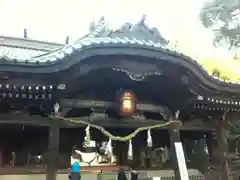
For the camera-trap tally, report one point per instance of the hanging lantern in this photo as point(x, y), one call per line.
point(127, 104)
point(130, 150)
point(149, 138)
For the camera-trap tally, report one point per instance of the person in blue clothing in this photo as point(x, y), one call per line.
point(75, 173)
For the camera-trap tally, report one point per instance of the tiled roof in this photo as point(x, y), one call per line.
point(19, 53)
point(124, 40)
point(20, 49)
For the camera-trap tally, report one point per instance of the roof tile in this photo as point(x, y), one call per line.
point(19, 53)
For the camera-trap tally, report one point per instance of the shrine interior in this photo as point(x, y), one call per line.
point(26, 146)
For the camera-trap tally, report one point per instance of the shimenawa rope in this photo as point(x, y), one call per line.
point(111, 136)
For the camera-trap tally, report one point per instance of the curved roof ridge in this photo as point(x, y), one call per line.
point(24, 48)
point(95, 31)
point(139, 31)
point(138, 35)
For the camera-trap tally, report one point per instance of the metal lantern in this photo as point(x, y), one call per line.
point(127, 104)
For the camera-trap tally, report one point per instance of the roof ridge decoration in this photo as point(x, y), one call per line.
point(96, 30)
point(139, 31)
point(99, 32)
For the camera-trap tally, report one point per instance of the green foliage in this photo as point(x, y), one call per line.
point(223, 18)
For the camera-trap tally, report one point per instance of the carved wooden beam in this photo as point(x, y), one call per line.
point(53, 150)
point(78, 103)
point(164, 111)
point(19, 117)
point(24, 118)
point(64, 111)
point(199, 124)
point(174, 132)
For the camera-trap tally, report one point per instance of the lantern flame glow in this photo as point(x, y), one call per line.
point(128, 104)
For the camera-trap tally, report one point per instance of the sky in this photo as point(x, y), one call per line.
point(53, 20)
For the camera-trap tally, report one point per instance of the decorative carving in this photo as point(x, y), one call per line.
point(137, 71)
point(139, 31)
point(61, 87)
point(98, 28)
point(137, 76)
point(98, 113)
point(139, 117)
point(64, 111)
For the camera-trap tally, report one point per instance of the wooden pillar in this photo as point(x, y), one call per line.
point(174, 133)
point(53, 150)
point(238, 146)
point(174, 137)
point(205, 150)
point(222, 147)
point(209, 141)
